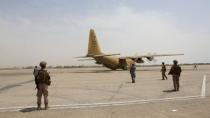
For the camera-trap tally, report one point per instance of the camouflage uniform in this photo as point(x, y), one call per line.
point(42, 81)
point(163, 70)
point(175, 71)
point(132, 72)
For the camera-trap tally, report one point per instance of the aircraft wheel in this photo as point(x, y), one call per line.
point(125, 68)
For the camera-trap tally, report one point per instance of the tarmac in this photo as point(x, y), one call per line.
point(101, 93)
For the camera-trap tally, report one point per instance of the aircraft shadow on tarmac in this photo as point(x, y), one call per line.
point(110, 71)
point(106, 71)
point(94, 71)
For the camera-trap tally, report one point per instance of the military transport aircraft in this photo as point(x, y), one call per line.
point(113, 61)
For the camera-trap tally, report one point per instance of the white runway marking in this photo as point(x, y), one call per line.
point(174, 110)
point(203, 89)
point(67, 106)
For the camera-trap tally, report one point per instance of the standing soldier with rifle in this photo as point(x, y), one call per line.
point(175, 71)
point(42, 82)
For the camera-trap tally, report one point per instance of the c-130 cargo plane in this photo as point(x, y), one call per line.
point(112, 61)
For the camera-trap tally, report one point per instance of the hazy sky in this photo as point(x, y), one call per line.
point(57, 30)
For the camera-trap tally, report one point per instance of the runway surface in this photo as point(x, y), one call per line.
point(99, 92)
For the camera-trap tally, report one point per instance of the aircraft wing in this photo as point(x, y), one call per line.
point(162, 55)
point(150, 57)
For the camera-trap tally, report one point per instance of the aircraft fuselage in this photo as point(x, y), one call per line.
point(114, 62)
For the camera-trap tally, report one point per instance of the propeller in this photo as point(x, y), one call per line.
point(151, 58)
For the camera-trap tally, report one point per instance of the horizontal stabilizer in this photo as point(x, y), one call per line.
point(103, 55)
point(85, 59)
point(82, 57)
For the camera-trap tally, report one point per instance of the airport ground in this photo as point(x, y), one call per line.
point(101, 93)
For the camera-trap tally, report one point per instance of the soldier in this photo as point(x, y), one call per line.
point(195, 67)
point(163, 70)
point(43, 81)
point(132, 72)
point(175, 72)
point(35, 73)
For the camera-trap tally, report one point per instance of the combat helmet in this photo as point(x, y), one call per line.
point(43, 64)
point(175, 62)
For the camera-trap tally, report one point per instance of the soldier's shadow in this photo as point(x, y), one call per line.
point(28, 109)
point(169, 91)
point(128, 82)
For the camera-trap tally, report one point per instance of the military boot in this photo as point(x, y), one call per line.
point(46, 106)
point(38, 106)
point(133, 80)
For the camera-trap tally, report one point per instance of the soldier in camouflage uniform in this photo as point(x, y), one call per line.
point(175, 71)
point(163, 70)
point(133, 72)
point(42, 81)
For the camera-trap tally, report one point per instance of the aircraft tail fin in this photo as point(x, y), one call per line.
point(93, 45)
